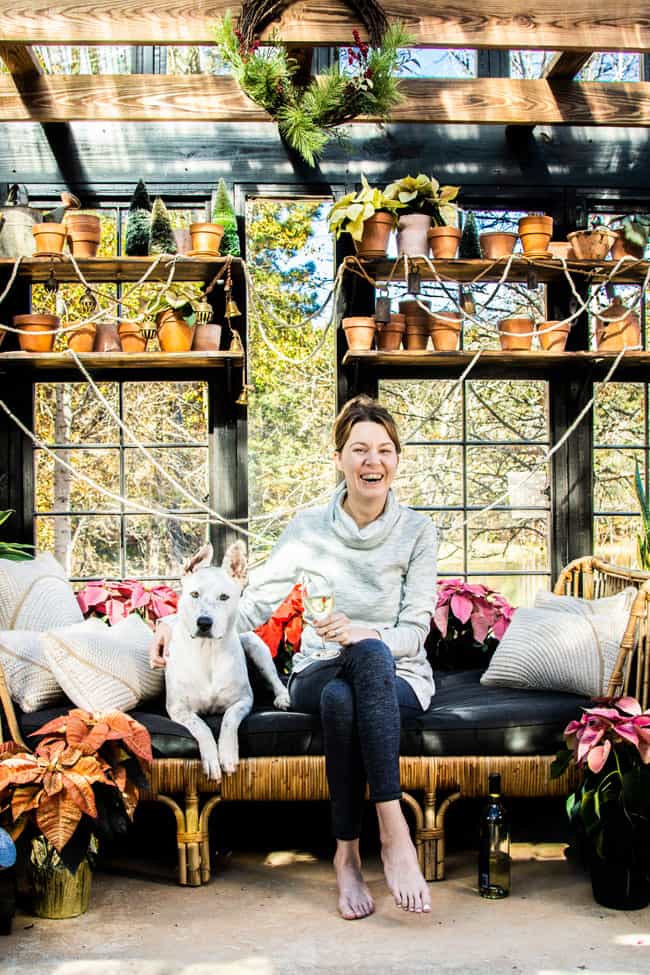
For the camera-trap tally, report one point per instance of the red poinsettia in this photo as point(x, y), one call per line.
point(117, 600)
point(285, 625)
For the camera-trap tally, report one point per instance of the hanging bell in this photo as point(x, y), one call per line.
point(51, 285)
point(232, 311)
point(203, 313)
point(88, 303)
point(242, 399)
point(236, 343)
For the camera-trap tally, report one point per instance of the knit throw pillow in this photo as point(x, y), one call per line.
point(104, 668)
point(35, 595)
point(567, 644)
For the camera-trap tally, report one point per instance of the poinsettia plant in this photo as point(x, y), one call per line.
point(81, 781)
point(468, 622)
point(283, 631)
point(114, 601)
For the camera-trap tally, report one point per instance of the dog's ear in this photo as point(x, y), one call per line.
point(235, 562)
point(201, 560)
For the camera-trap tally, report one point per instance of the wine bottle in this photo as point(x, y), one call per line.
point(494, 845)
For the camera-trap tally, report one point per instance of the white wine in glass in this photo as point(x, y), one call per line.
point(317, 597)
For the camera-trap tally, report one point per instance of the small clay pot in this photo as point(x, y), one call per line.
point(38, 326)
point(535, 232)
point(389, 335)
point(49, 237)
point(107, 338)
point(83, 338)
point(206, 238)
point(444, 242)
point(555, 340)
point(592, 245)
point(84, 233)
point(510, 333)
point(496, 244)
point(132, 337)
point(624, 248)
point(359, 332)
point(207, 338)
point(376, 234)
point(612, 336)
point(174, 334)
point(445, 330)
point(561, 248)
point(412, 229)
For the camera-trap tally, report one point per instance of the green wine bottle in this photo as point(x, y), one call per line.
point(494, 845)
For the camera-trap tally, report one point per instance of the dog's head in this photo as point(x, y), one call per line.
point(210, 596)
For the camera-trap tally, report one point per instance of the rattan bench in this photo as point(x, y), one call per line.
point(436, 779)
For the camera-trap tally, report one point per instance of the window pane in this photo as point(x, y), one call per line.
point(167, 412)
point(187, 465)
point(493, 471)
point(430, 476)
point(451, 543)
point(86, 545)
point(619, 413)
point(69, 59)
point(507, 410)
point(611, 66)
point(518, 590)
point(502, 540)
point(425, 410)
point(60, 490)
point(195, 60)
point(615, 539)
point(71, 413)
point(614, 479)
point(158, 547)
point(440, 63)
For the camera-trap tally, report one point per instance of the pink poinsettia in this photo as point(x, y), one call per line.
point(484, 609)
point(592, 737)
point(117, 600)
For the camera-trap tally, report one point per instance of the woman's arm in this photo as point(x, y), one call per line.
point(269, 584)
point(407, 637)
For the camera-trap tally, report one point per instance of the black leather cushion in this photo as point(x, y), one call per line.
point(464, 718)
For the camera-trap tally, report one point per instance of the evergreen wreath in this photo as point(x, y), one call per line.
point(309, 115)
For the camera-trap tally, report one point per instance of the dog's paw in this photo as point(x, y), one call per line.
point(282, 701)
point(211, 766)
point(229, 759)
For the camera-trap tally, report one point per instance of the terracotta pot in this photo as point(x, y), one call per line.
point(444, 242)
point(359, 332)
point(445, 330)
point(622, 248)
point(376, 234)
point(612, 336)
point(207, 338)
point(49, 237)
point(107, 338)
point(174, 334)
point(417, 336)
point(389, 336)
point(132, 337)
point(592, 245)
point(496, 244)
point(83, 338)
point(561, 248)
point(412, 229)
point(535, 232)
point(37, 325)
point(84, 233)
point(514, 340)
point(206, 237)
point(554, 341)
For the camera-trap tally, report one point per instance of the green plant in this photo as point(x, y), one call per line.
point(14, 551)
point(183, 298)
point(424, 194)
point(223, 212)
point(469, 248)
point(136, 242)
point(349, 214)
point(161, 235)
point(643, 537)
point(308, 115)
point(636, 228)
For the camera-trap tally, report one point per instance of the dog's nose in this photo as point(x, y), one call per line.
point(204, 623)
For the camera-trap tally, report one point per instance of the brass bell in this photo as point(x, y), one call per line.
point(242, 399)
point(236, 343)
point(232, 311)
point(203, 313)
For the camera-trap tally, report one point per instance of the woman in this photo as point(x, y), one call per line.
point(362, 666)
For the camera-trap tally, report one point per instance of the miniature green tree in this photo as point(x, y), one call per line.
point(223, 212)
point(138, 222)
point(161, 236)
point(470, 247)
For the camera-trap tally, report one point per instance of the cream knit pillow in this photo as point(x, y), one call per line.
point(106, 668)
point(36, 595)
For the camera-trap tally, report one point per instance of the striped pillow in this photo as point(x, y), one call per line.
point(36, 595)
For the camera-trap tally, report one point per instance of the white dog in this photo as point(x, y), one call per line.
point(206, 667)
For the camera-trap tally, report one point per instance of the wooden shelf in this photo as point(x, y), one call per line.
point(546, 269)
point(62, 361)
point(121, 269)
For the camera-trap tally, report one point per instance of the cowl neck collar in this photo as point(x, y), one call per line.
point(346, 528)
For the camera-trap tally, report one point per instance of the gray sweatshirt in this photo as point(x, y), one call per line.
point(383, 576)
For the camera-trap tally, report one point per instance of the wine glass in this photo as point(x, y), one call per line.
point(317, 597)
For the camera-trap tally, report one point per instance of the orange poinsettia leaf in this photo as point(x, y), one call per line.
point(8, 748)
point(24, 798)
point(79, 789)
point(52, 782)
point(93, 769)
point(57, 817)
point(21, 769)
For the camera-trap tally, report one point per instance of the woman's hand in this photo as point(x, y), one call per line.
point(159, 648)
point(337, 628)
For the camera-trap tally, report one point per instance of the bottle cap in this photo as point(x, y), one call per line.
point(494, 784)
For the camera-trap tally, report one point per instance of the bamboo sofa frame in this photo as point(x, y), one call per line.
point(181, 785)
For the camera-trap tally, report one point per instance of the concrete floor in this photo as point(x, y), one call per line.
point(267, 914)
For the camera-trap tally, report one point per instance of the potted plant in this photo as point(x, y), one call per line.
point(79, 784)
point(114, 601)
point(535, 232)
point(593, 244)
point(468, 622)
point(632, 235)
point(369, 216)
point(610, 808)
point(425, 202)
point(173, 310)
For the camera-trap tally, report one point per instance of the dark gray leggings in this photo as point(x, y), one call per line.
point(360, 700)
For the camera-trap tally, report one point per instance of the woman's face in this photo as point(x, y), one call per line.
point(368, 461)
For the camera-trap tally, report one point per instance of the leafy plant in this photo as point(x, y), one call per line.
point(610, 809)
point(424, 194)
point(161, 235)
point(349, 214)
point(636, 228)
point(643, 537)
point(308, 115)
point(114, 601)
point(468, 622)
point(138, 222)
point(81, 780)
point(282, 632)
point(182, 298)
point(223, 212)
point(14, 551)
point(469, 248)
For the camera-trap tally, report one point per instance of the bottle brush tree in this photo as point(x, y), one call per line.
point(223, 212)
point(470, 246)
point(161, 236)
point(138, 222)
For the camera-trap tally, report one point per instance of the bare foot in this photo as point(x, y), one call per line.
point(403, 875)
point(355, 900)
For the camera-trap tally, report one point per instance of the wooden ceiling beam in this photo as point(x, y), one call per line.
point(554, 25)
point(566, 65)
point(21, 63)
point(214, 98)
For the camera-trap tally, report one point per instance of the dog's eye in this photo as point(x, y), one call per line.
point(194, 595)
point(224, 596)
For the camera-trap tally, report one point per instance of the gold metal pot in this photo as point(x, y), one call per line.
point(56, 892)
